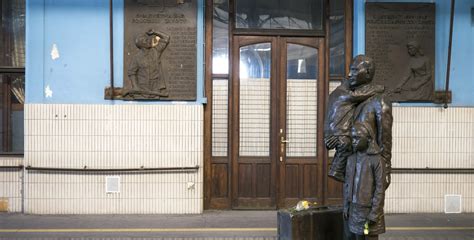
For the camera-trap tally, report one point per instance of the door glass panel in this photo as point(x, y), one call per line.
point(17, 131)
point(301, 97)
point(11, 124)
point(254, 95)
point(219, 117)
point(264, 14)
point(12, 42)
point(220, 37)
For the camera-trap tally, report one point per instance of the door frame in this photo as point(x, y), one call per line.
point(319, 44)
point(234, 112)
point(222, 200)
point(278, 159)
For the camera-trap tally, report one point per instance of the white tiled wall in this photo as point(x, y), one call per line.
point(10, 183)
point(435, 138)
point(113, 136)
point(131, 136)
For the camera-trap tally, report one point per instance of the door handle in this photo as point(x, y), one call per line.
point(283, 141)
point(282, 137)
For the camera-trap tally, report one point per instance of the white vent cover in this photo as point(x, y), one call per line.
point(452, 203)
point(112, 184)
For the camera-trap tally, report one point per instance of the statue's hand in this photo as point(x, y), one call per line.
point(344, 142)
point(331, 141)
point(155, 41)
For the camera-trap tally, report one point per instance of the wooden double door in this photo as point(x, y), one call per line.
point(276, 121)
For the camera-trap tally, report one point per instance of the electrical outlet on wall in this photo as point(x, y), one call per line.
point(452, 203)
point(112, 184)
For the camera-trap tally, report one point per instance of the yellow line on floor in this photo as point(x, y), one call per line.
point(142, 230)
point(428, 228)
point(81, 230)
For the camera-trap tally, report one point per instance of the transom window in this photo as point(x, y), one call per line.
point(295, 14)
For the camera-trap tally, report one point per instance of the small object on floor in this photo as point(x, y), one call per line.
point(302, 205)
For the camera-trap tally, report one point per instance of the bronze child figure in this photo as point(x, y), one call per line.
point(364, 186)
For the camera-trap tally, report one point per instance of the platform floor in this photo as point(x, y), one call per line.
point(247, 225)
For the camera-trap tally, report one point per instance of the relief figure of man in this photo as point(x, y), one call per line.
point(146, 74)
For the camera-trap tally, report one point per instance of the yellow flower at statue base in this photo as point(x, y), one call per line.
point(303, 205)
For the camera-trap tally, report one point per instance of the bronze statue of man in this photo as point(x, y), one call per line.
point(358, 107)
point(339, 117)
point(376, 111)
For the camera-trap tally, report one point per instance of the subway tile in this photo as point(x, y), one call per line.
point(112, 136)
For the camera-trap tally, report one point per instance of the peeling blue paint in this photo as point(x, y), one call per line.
point(80, 30)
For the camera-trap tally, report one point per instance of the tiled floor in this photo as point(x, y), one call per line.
point(225, 225)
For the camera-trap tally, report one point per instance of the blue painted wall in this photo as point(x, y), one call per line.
point(80, 31)
point(462, 63)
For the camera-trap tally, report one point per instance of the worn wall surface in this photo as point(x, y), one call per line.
point(427, 137)
point(121, 136)
point(69, 124)
point(68, 51)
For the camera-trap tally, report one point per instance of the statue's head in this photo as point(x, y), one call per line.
point(414, 48)
point(364, 138)
point(143, 41)
point(362, 71)
point(360, 137)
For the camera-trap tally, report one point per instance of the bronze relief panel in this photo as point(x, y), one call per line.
point(400, 37)
point(159, 50)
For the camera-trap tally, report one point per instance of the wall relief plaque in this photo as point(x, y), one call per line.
point(159, 51)
point(400, 37)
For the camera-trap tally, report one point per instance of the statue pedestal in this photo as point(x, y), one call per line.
point(315, 223)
